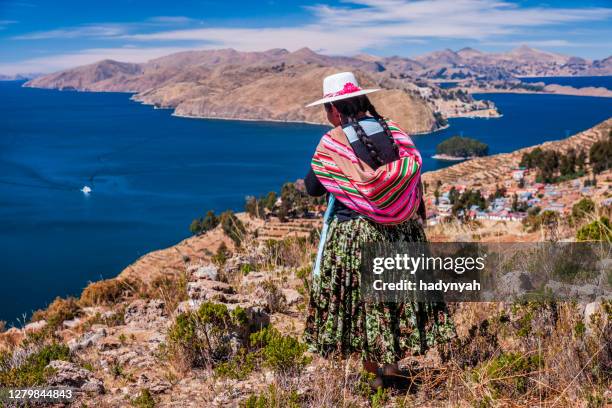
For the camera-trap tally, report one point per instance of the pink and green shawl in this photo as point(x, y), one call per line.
point(390, 194)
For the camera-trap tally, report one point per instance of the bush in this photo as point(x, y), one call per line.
point(599, 230)
point(202, 225)
point(582, 208)
point(58, 311)
point(274, 297)
point(144, 400)
point(172, 289)
point(222, 255)
point(238, 367)
point(283, 354)
point(510, 372)
point(232, 226)
point(106, 292)
point(273, 397)
point(202, 338)
point(31, 372)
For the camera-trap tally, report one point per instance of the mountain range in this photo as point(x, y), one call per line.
point(276, 84)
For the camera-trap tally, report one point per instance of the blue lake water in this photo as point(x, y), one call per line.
point(576, 82)
point(152, 173)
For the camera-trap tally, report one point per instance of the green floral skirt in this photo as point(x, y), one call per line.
point(338, 322)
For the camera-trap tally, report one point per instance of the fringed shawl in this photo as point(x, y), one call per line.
point(391, 194)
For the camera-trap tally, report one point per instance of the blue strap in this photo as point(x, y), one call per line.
point(326, 220)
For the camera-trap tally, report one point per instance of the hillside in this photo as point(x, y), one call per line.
point(243, 85)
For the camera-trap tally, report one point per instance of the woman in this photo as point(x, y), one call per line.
point(355, 164)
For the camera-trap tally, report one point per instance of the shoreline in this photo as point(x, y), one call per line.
point(447, 157)
point(473, 91)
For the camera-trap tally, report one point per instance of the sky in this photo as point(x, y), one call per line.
point(45, 36)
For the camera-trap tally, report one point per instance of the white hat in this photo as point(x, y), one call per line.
point(340, 86)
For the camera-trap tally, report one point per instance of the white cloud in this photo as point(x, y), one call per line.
point(84, 57)
point(90, 30)
point(345, 30)
point(106, 30)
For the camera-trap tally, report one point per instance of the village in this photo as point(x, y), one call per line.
point(514, 197)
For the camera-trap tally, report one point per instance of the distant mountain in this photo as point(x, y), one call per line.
point(270, 85)
point(18, 77)
point(521, 61)
point(444, 57)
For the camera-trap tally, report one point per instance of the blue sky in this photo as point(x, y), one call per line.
point(44, 36)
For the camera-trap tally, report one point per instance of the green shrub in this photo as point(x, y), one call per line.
point(202, 225)
point(380, 398)
point(232, 226)
point(599, 230)
point(201, 339)
point(273, 397)
point(274, 297)
point(510, 372)
point(582, 208)
point(31, 372)
point(283, 354)
point(238, 367)
point(222, 255)
point(144, 400)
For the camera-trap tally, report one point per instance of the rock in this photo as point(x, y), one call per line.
point(35, 326)
point(71, 324)
point(595, 316)
point(256, 315)
point(255, 278)
point(565, 291)
point(514, 284)
point(87, 339)
point(210, 272)
point(208, 290)
point(66, 374)
point(155, 385)
point(145, 313)
point(292, 296)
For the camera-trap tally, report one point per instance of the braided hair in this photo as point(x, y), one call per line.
point(350, 109)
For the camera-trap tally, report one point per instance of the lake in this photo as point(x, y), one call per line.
point(152, 173)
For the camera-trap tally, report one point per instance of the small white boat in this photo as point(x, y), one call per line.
point(86, 190)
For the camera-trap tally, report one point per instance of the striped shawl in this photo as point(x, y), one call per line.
point(390, 194)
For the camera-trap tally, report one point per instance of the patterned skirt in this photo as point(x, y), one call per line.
point(339, 323)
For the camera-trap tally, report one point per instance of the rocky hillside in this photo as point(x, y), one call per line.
point(226, 333)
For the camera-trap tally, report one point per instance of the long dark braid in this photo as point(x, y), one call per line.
point(383, 124)
point(349, 110)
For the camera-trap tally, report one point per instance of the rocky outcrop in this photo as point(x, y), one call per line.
point(66, 374)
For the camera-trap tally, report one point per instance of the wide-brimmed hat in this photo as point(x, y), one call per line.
point(340, 86)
